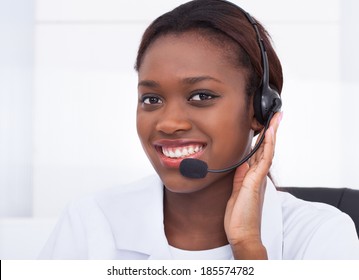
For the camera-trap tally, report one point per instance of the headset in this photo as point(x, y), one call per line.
point(266, 103)
point(267, 100)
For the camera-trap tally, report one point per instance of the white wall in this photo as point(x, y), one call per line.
point(16, 100)
point(349, 57)
point(80, 115)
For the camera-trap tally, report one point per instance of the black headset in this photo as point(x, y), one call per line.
point(266, 103)
point(266, 100)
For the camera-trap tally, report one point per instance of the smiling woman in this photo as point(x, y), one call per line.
point(208, 82)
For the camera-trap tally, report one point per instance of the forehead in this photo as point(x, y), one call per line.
point(191, 52)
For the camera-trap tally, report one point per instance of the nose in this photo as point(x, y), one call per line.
point(173, 119)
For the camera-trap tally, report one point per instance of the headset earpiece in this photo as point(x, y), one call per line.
point(265, 101)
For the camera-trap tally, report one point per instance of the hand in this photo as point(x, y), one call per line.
point(243, 215)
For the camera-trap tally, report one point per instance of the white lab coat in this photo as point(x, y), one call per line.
point(127, 223)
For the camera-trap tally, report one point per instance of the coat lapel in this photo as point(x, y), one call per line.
point(135, 215)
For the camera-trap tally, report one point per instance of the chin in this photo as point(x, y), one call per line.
point(177, 183)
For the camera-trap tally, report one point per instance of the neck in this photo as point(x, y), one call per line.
point(195, 221)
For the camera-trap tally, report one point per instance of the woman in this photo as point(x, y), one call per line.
point(202, 71)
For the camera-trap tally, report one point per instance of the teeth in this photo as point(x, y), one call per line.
point(181, 152)
point(190, 149)
point(171, 154)
point(178, 153)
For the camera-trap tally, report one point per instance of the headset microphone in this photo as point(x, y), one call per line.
point(266, 103)
point(198, 169)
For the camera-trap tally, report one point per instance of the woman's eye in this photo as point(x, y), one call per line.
point(201, 96)
point(151, 100)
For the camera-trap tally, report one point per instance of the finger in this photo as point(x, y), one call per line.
point(239, 176)
point(275, 121)
point(272, 135)
point(263, 158)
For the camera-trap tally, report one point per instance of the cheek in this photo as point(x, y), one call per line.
point(232, 134)
point(144, 132)
point(143, 127)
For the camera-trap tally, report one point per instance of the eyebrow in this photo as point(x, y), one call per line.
point(194, 80)
point(188, 81)
point(149, 83)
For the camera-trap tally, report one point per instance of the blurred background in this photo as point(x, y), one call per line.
point(68, 96)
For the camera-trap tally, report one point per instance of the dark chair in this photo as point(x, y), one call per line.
point(345, 199)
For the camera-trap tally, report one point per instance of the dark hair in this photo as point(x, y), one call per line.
point(221, 21)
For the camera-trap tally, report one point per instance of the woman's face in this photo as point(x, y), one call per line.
point(192, 103)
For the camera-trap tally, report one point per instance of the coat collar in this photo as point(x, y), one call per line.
point(135, 215)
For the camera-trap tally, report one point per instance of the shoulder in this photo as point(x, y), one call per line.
point(116, 206)
point(127, 195)
point(89, 226)
point(295, 209)
point(313, 230)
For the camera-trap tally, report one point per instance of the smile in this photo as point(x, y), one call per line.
point(181, 152)
point(171, 152)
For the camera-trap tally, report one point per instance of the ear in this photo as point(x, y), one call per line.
point(256, 126)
